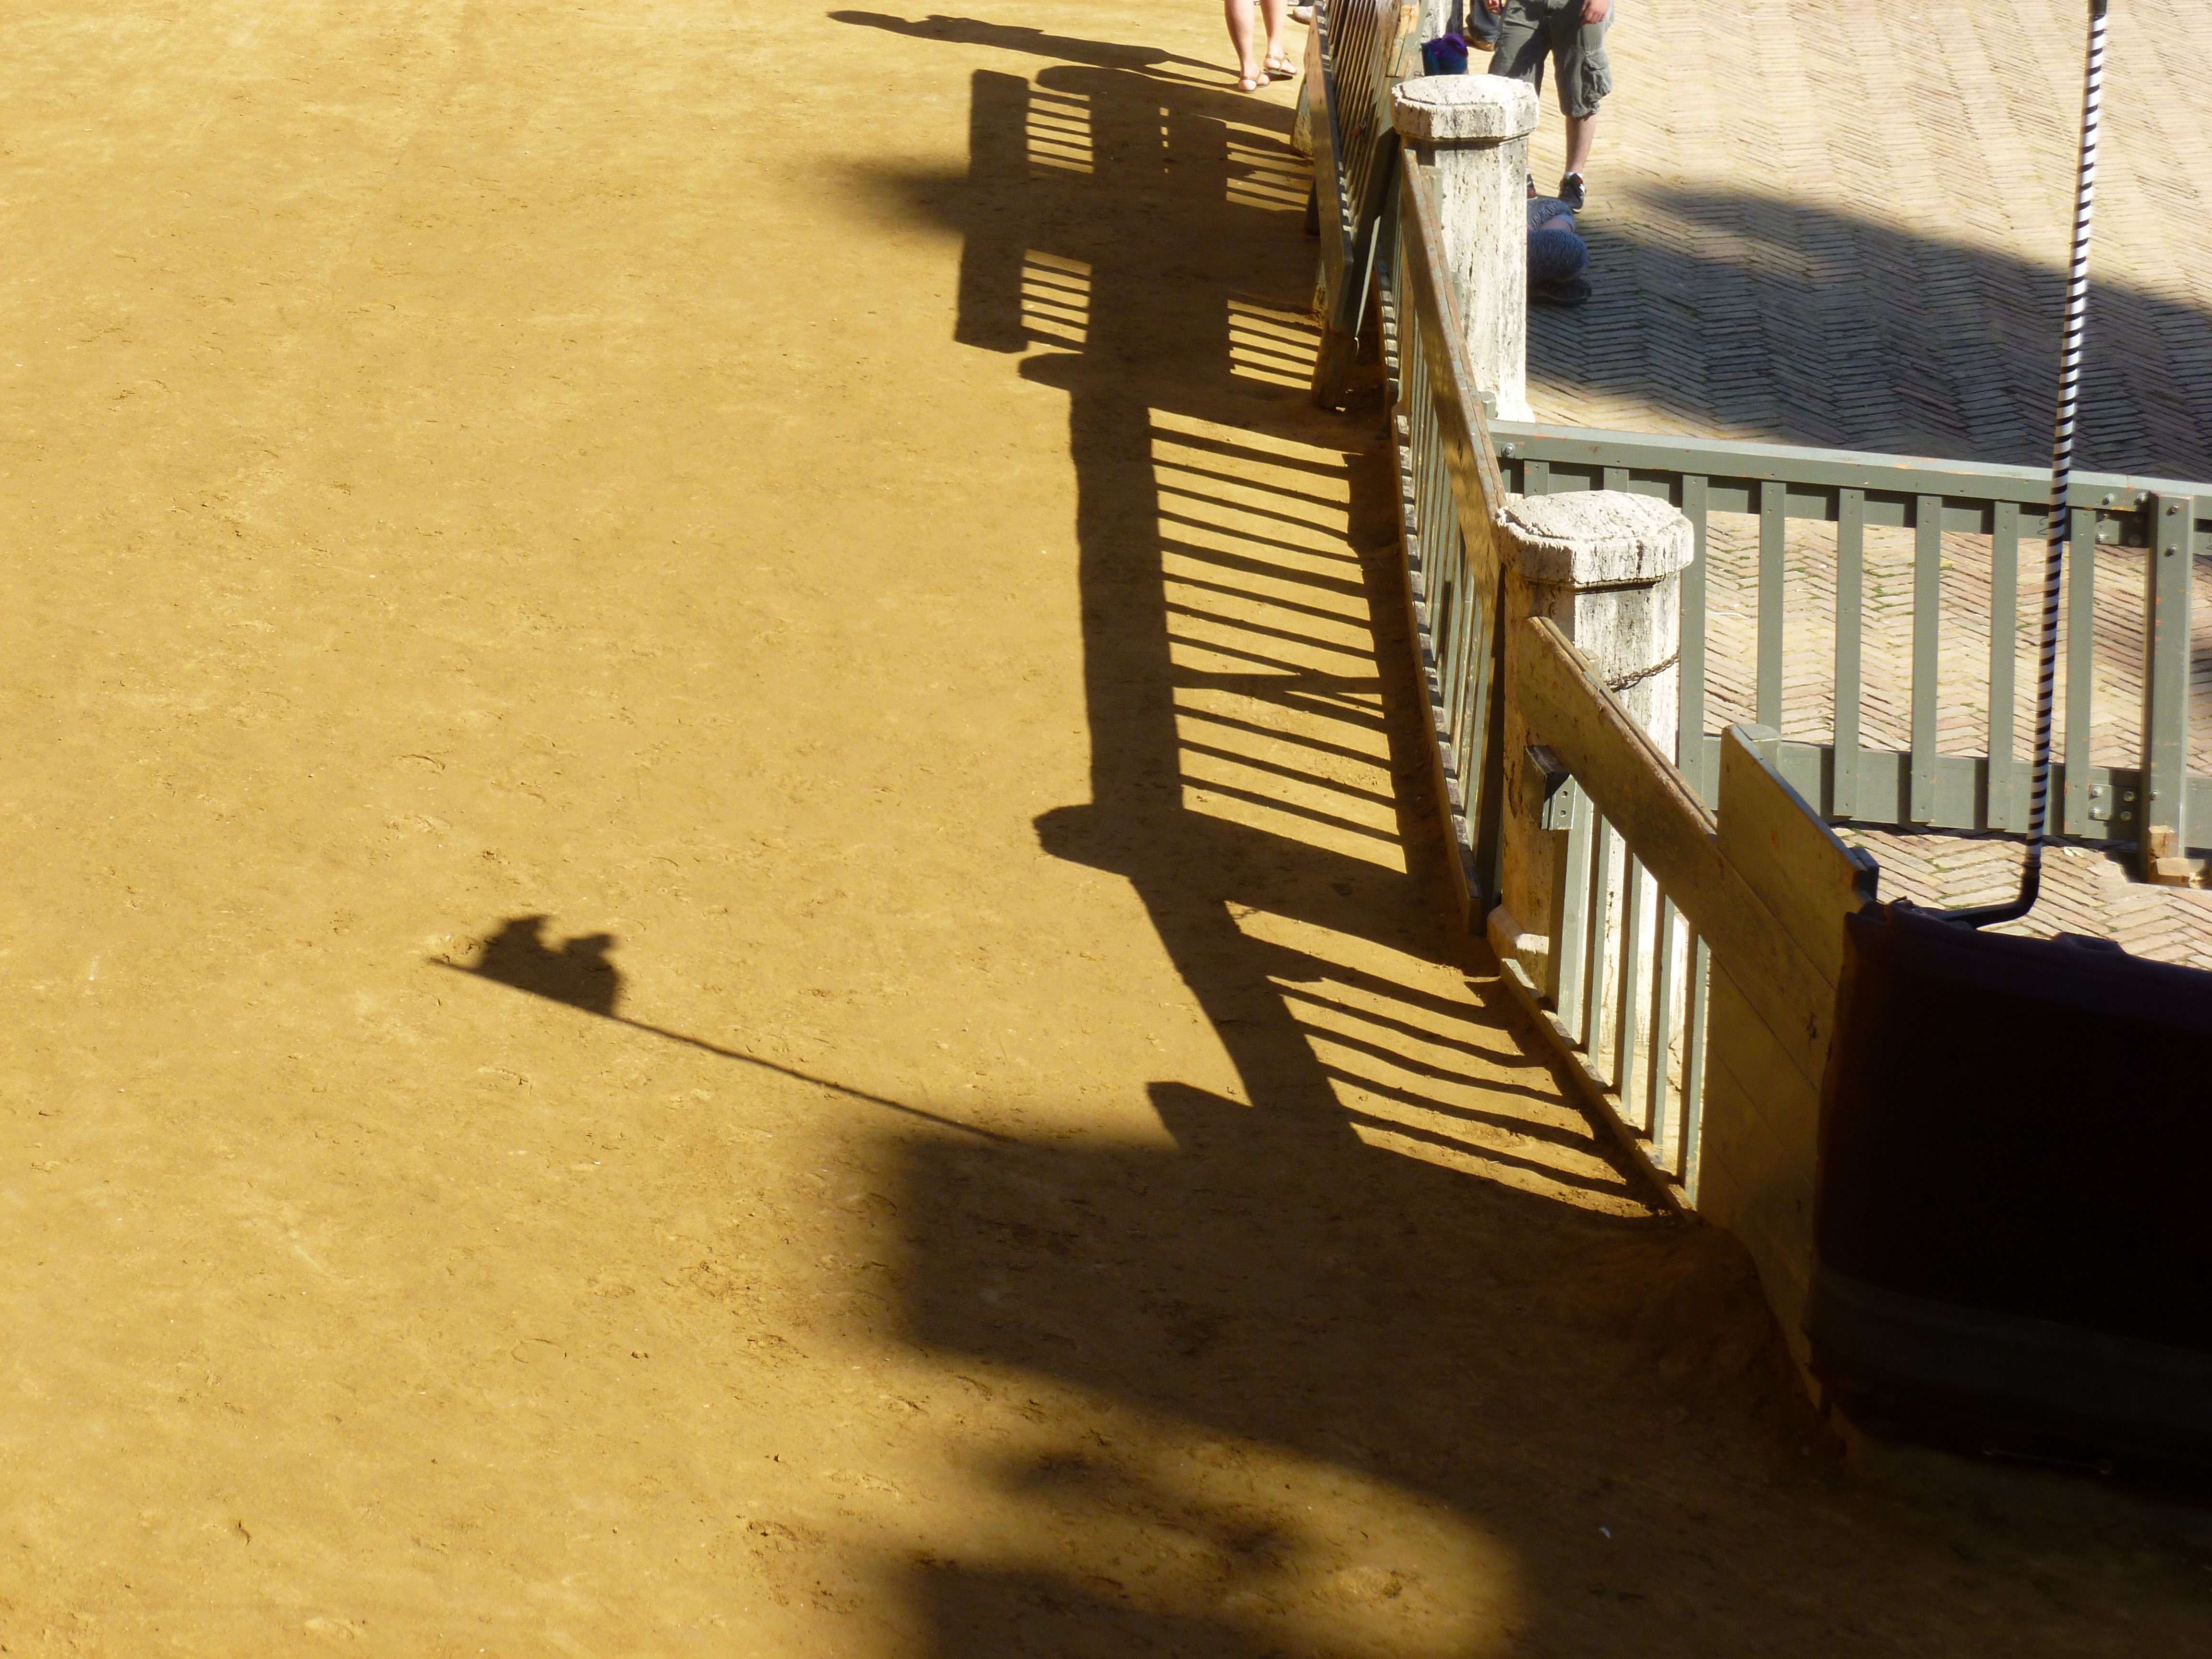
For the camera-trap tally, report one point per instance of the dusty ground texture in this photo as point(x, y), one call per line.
point(711, 950)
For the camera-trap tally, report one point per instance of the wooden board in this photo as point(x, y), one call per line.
point(1786, 854)
point(1749, 1186)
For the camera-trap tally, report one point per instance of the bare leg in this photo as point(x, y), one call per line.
point(1239, 16)
point(1581, 130)
point(1277, 14)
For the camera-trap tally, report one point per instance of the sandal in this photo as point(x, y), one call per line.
point(1250, 82)
point(1281, 68)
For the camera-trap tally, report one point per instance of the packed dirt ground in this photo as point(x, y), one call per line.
point(722, 936)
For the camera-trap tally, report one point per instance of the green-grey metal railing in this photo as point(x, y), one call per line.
point(1627, 975)
point(1626, 988)
point(2154, 802)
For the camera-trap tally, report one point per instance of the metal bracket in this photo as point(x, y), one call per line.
point(1548, 786)
point(2108, 805)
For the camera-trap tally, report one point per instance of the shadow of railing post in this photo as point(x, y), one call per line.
point(1551, 629)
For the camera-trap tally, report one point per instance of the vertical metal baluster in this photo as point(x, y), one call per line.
point(1694, 1064)
point(1416, 426)
point(1690, 736)
point(2080, 671)
point(1448, 629)
point(1443, 586)
point(1424, 456)
point(2161, 822)
point(1538, 478)
point(1631, 952)
point(2004, 810)
point(1569, 923)
point(1658, 1122)
point(1773, 496)
point(1410, 401)
point(1926, 644)
point(1597, 929)
point(1444, 594)
point(1472, 620)
point(1851, 614)
point(1473, 713)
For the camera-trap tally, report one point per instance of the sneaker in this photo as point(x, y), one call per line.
point(1302, 13)
point(1571, 190)
point(1574, 291)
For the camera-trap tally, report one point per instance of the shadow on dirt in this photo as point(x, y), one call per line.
point(1606, 1396)
point(1008, 36)
point(578, 973)
point(1274, 1277)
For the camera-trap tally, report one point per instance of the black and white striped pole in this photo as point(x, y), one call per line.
point(2061, 468)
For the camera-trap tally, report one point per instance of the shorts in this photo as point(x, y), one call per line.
point(1532, 30)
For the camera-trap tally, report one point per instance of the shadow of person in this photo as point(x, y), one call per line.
point(578, 973)
point(1008, 36)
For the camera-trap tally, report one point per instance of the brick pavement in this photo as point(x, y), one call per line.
point(1846, 227)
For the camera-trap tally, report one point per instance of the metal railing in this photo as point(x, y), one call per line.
point(1852, 646)
point(1911, 713)
point(1626, 982)
point(2136, 544)
point(1626, 988)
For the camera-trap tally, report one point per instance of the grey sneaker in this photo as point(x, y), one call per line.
point(1571, 190)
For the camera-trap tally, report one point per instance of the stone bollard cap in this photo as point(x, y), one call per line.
point(1462, 109)
point(1597, 538)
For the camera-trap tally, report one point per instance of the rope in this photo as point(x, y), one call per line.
point(2061, 468)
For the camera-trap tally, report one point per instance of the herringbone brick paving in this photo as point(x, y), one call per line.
point(2085, 891)
point(1847, 226)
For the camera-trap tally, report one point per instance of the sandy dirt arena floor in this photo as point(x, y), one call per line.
point(711, 947)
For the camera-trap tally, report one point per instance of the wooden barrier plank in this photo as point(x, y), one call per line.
point(1747, 1187)
point(1792, 860)
point(1773, 1069)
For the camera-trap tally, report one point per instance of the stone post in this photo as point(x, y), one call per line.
point(1472, 130)
point(1607, 567)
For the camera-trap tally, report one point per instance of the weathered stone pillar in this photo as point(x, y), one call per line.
point(1473, 130)
point(1606, 567)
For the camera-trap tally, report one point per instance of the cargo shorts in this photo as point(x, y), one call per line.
point(1531, 31)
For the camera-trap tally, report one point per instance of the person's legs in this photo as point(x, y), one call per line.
point(1582, 132)
point(1585, 78)
point(1275, 13)
point(1523, 44)
point(1250, 70)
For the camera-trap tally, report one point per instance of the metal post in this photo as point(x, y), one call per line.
point(2162, 809)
